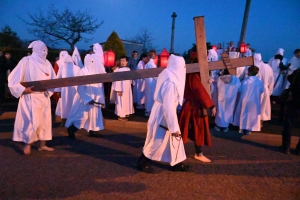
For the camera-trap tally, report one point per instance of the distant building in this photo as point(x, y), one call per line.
point(130, 47)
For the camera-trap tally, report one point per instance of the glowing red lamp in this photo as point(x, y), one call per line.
point(156, 59)
point(109, 59)
point(214, 47)
point(164, 56)
point(243, 47)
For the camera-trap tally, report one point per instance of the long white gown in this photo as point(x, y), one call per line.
point(279, 79)
point(247, 113)
point(139, 86)
point(83, 115)
point(33, 120)
point(228, 87)
point(124, 103)
point(150, 84)
point(159, 144)
point(63, 108)
point(265, 74)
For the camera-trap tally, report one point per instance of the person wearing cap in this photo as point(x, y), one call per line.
point(86, 108)
point(163, 141)
point(33, 119)
point(67, 69)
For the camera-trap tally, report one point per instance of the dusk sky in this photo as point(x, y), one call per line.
point(272, 24)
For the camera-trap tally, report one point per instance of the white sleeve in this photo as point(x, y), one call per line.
point(169, 96)
point(16, 77)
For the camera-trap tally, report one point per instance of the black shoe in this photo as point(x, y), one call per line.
point(181, 167)
point(143, 164)
point(95, 134)
point(284, 150)
point(298, 149)
point(71, 131)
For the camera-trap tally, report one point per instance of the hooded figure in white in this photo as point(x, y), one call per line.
point(86, 108)
point(278, 74)
point(33, 120)
point(228, 87)
point(66, 69)
point(213, 56)
point(265, 74)
point(76, 58)
point(160, 145)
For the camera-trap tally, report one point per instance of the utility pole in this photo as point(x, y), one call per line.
point(245, 21)
point(172, 34)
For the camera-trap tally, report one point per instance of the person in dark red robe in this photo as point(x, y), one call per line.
point(55, 95)
point(193, 118)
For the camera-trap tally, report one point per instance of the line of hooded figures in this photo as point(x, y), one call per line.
point(176, 103)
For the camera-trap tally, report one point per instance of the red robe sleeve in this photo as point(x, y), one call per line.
point(199, 91)
point(56, 67)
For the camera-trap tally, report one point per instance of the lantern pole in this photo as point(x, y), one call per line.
point(172, 34)
point(245, 21)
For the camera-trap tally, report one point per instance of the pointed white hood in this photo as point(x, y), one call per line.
point(39, 51)
point(176, 73)
point(76, 58)
point(280, 51)
point(97, 48)
point(257, 59)
point(93, 64)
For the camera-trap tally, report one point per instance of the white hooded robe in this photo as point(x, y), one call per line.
point(83, 115)
point(265, 74)
point(159, 144)
point(33, 120)
point(67, 69)
point(279, 79)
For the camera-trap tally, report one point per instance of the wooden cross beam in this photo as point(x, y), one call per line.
point(203, 67)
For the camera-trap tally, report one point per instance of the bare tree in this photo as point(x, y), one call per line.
point(144, 37)
point(67, 26)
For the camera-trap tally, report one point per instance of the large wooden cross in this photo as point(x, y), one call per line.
point(202, 66)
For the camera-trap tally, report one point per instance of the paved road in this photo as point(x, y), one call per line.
point(248, 167)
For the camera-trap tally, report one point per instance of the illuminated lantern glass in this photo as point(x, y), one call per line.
point(243, 47)
point(156, 60)
point(214, 47)
point(164, 58)
point(109, 59)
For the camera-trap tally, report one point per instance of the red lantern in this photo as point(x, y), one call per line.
point(243, 47)
point(109, 58)
point(214, 47)
point(156, 59)
point(164, 56)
